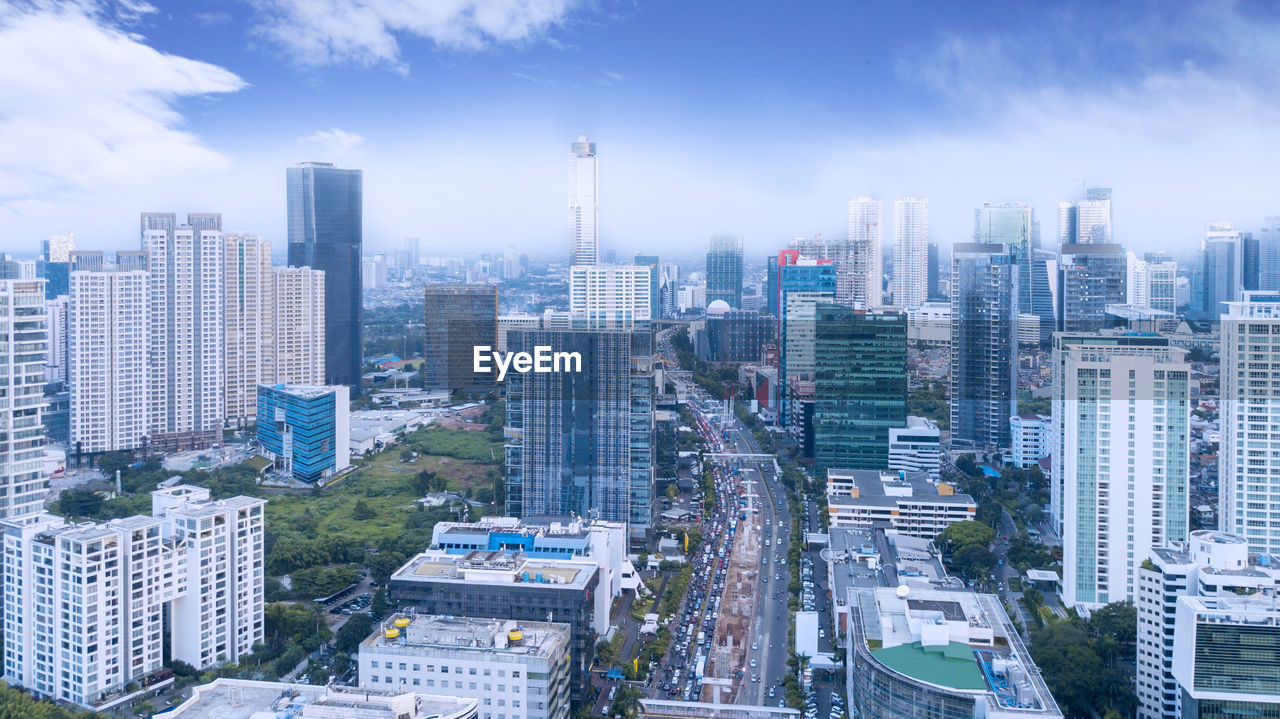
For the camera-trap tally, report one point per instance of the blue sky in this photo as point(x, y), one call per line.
point(756, 118)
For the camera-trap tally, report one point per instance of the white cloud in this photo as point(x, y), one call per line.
point(333, 141)
point(86, 107)
point(321, 32)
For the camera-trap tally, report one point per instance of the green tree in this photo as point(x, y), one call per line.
point(1070, 665)
point(354, 631)
point(362, 511)
point(1116, 627)
point(974, 561)
point(79, 503)
point(968, 533)
point(109, 462)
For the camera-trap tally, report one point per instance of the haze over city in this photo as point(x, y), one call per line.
point(762, 121)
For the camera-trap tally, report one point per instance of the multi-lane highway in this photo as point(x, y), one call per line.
point(750, 516)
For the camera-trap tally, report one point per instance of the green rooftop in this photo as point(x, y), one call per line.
point(950, 665)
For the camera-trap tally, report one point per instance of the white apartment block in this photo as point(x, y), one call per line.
point(294, 315)
point(1249, 420)
point(515, 670)
point(274, 325)
point(916, 447)
point(57, 356)
point(84, 604)
point(1226, 655)
point(1032, 439)
point(1211, 564)
point(22, 357)
point(1120, 480)
point(910, 252)
point(220, 616)
point(908, 502)
point(247, 276)
point(858, 282)
point(608, 296)
point(185, 372)
point(107, 341)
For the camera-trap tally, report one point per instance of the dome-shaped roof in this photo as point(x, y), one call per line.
point(717, 308)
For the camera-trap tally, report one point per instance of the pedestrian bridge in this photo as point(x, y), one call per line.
point(734, 457)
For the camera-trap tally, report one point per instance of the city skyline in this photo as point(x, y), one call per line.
point(1144, 119)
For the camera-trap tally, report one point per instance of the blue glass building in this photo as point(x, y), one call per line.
point(325, 233)
point(305, 429)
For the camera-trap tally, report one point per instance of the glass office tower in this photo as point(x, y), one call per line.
point(724, 270)
point(861, 386)
point(458, 319)
point(325, 233)
point(984, 344)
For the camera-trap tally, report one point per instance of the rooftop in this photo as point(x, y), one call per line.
point(244, 699)
point(494, 567)
point(305, 391)
point(538, 639)
point(887, 489)
point(949, 664)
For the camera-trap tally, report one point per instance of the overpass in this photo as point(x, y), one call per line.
point(740, 457)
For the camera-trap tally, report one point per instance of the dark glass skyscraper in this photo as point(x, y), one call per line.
point(984, 343)
point(325, 233)
point(459, 318)
point(861, 386)
point(724, 270)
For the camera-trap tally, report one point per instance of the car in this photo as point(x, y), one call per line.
point(822, 634)
point(755, 646)
point(755, 677)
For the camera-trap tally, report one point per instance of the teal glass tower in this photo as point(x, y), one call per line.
point(861, 386)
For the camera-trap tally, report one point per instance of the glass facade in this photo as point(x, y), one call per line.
point(1090, 278)
point(861, 386)
point(458, 319)
point(736, 336)
point(325, 224)
point(724, 270)
point(1237, 657)
point(984, 341)
point(299, 425)
point(582, 442)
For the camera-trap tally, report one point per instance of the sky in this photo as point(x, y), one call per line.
point(756, 118)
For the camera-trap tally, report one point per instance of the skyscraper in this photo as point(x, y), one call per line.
point(933, 288)
point(108, 352)
point(1013, 225)
point(799, 283)
point(22, 350)
point(325, 211)
point(458, 319)
point(54, 263)
point(1224, 270)
point(984, 345)
point(724, 270)
point(860, 392)
point(911, 269)
point(1269, 254)
point(1090, 278)
point(1120, 481)
point(582, 441)
point(274, 324)
point(655, 283)
point(584, 203)
point(185, 336)
point(860, 278)
point(1248, 472)
point(1087, 221)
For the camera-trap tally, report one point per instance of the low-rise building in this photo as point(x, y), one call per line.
point(514, 670)
point(511, 585)
point(305, 429)
point(908, 502)
point(915, 653)
point(916, 447)
point(1212, 564)
point(1226, 656)
point(245, 699)
point(1032, 440)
